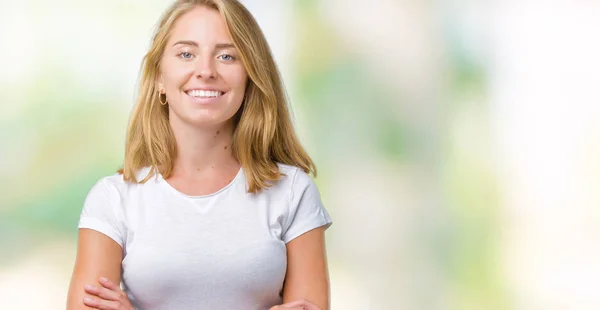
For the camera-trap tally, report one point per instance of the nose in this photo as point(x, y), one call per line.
point(205, 68)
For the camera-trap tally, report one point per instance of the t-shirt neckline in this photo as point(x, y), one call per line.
point(223, 189)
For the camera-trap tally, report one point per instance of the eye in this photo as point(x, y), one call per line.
point(185, 55)
point(226, 57)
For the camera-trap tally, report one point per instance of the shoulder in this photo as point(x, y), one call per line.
point(114, 186)
point(105, 191)
point(292, 173)
point(295, 179)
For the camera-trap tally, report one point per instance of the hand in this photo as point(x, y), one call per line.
point(300, 304)
point(110, 296)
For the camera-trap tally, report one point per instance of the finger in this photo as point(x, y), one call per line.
point(112, 286)
point(109, 284)
point(101, 292)
point(302, 303)
point(295, 303)
point(101, 304)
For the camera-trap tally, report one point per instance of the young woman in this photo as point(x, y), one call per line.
point(214, 207)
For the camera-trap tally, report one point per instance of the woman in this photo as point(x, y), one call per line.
point(214, 207)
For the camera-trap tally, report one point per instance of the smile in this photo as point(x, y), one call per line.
point(202, 93)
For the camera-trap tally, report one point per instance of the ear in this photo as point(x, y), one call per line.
point(159, 83)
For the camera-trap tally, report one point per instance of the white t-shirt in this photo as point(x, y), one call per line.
point(225, 250)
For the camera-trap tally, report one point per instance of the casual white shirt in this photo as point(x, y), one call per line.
point(225, 250)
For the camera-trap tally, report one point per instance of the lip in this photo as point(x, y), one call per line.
point(205, 88)
point(198, 100)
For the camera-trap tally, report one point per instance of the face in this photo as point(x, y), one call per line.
point(201, 72)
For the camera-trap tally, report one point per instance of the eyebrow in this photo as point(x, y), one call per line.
point(193, 43)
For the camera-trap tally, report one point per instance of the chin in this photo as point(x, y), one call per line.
point(208, 121)
point(203, 117)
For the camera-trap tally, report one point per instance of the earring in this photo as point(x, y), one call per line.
point(160, 98)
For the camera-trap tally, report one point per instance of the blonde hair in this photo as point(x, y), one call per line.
point(263, 135)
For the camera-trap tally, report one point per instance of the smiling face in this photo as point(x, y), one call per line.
point(201, 72)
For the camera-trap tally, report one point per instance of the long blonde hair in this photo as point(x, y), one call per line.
point(263, 135)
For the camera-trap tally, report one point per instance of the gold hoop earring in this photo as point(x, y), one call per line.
point(160, 98)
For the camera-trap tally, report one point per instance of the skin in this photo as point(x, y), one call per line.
point(198, 55)
point(97, 256)
point(204, 165)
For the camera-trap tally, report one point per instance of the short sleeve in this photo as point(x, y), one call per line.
point(306, 209)
point(101, 212)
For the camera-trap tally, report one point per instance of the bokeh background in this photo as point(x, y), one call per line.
point(457, 142)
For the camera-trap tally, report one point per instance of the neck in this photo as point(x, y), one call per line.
point(203, 150)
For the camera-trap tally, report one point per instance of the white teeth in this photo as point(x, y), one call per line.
point(204, 93)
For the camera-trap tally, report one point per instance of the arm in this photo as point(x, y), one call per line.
point(307, 275)
point(97, 255)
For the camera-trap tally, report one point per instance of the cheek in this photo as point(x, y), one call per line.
point(238, 80)
point(175, 75)
point(240, 86)
point(239, 90)
point(233, 75)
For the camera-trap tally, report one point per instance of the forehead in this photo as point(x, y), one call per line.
point(203, 25)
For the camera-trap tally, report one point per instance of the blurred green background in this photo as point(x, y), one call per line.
point(457, 142)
